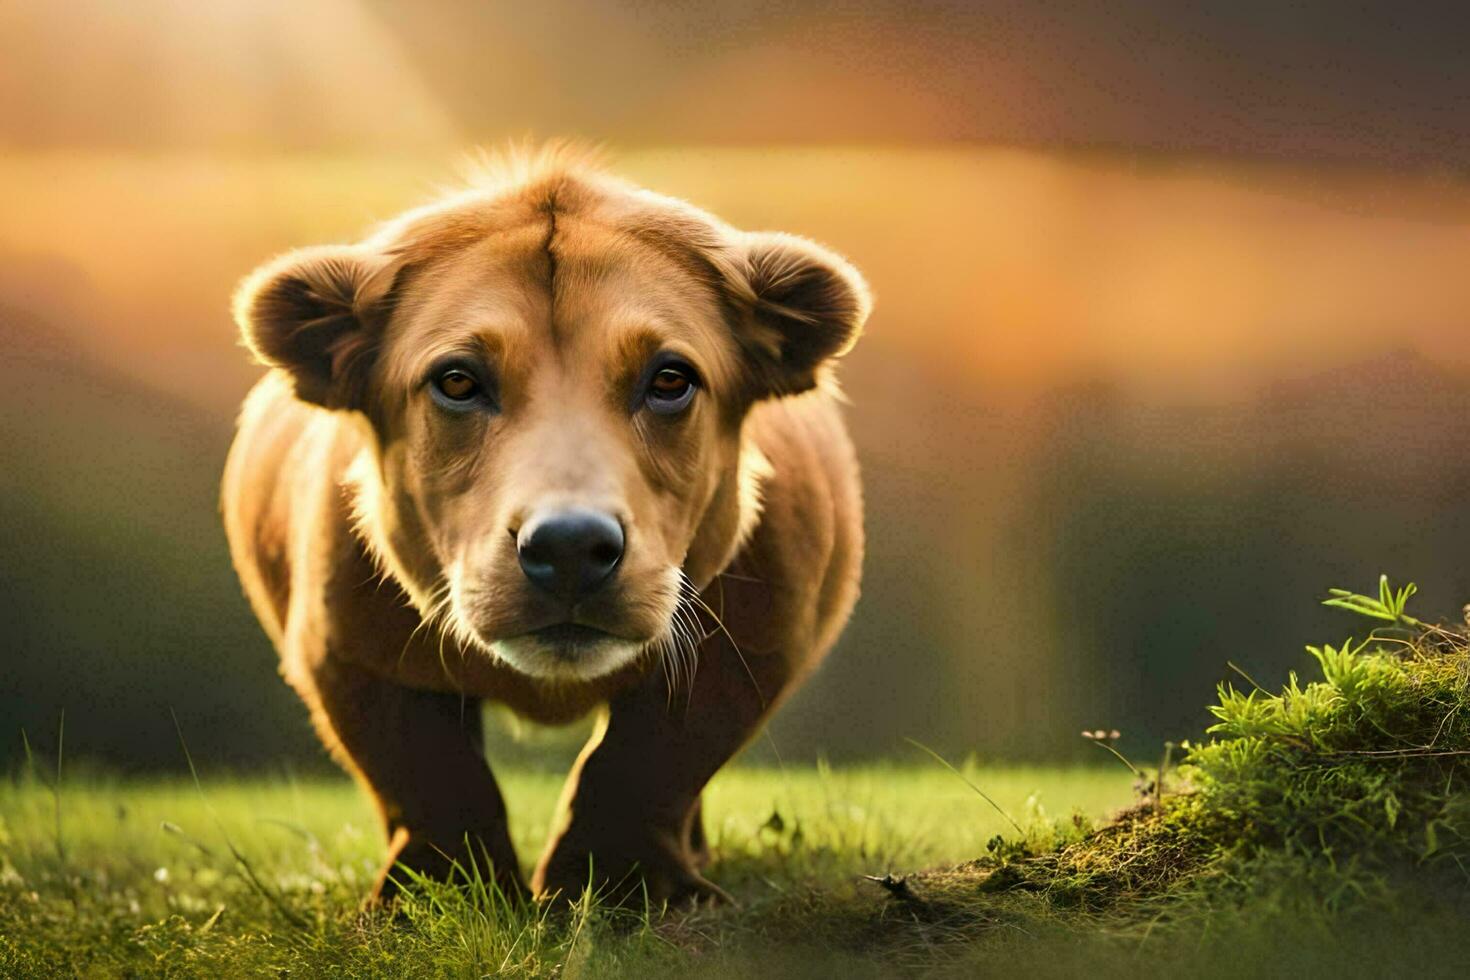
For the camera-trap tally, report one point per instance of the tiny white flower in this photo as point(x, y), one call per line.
point(161, 875)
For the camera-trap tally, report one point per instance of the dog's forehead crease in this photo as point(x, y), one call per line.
point(608, 294)
point(628, 294)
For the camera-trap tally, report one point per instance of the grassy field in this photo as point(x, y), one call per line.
point(263, 876)
point(118, 877)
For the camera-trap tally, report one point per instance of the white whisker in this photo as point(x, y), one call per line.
point(439, 600)
point(720, 623)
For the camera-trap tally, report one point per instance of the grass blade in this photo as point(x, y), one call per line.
point(963, 778)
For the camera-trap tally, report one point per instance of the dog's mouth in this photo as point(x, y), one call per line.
point(563, 644)
point(567, 652)
point(571, 636)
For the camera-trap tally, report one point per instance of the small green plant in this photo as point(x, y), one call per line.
point(1388, 606)
point(1348, 782)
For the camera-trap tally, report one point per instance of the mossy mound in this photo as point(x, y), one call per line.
point(1347, 787)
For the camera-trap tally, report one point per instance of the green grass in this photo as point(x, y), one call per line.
point(141, 881)
point(140, 875)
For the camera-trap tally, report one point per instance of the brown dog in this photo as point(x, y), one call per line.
point(560, 443)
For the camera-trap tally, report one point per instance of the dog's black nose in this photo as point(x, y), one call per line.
point(570, 553)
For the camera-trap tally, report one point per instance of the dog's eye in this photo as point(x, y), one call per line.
point(671, 389)
point(670, 383)
point(457, 386)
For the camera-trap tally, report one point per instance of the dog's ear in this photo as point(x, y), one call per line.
point(802, 305)
point(318, 314)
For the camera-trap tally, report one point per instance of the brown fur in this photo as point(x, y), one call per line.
point(371, 537)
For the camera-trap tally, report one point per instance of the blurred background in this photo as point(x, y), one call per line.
point(1172, 332)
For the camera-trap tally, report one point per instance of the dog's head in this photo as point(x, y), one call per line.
point(555, 370)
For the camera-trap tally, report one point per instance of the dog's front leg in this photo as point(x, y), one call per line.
point(626, 826)
point(420, 755)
